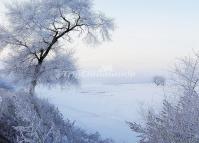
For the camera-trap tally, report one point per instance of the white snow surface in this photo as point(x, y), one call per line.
point(105, 107)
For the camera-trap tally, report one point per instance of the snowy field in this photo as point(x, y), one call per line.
point(105, 107)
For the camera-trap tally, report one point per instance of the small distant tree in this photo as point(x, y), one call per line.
point(35, 34)
point(177, 122)
point(159, 80)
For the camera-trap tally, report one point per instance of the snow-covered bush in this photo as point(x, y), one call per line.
point(159, 80)
point(177, 122)
point(28, 119)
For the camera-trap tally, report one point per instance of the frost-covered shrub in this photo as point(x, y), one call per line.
point(177, 122)
point(26, 119)
point(7, 116)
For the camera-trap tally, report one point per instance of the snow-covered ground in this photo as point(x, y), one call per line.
point(105, 107)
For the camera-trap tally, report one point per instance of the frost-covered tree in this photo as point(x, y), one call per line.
point(177, 122)
point(35, 35)
point(159, 80)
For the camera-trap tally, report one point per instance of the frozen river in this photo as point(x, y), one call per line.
point(105, 107)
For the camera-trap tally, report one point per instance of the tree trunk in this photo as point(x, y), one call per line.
point(34, 79)
point(32, 87)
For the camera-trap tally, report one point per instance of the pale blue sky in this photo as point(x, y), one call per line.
point(150, 34)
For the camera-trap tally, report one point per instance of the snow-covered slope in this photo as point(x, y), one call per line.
point(105, 107)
